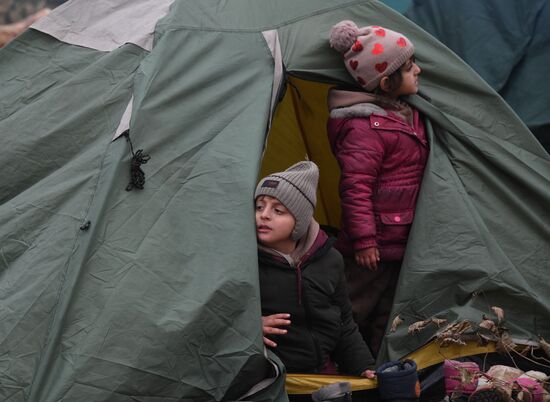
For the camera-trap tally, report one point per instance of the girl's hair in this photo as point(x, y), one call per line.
point(395, 80)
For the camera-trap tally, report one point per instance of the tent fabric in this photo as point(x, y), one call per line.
point(513, 61)
point(152, 295)
point(116, 321)
point(104, 25)
point(483, 227)
point(272, 40)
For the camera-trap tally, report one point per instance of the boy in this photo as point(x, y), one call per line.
point(307, 317)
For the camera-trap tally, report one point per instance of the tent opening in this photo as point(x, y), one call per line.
point(299, 132)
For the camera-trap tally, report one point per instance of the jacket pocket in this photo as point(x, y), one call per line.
point(397, 218)
point(393, 229)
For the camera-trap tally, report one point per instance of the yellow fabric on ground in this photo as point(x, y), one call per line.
point(426, 356)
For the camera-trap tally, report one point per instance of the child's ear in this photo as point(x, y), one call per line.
point(385, 84)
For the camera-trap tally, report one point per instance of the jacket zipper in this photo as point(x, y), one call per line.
point(305, 306)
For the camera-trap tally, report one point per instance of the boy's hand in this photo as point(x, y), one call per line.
point(369, 374)
point(368, 258)
point(271, 324)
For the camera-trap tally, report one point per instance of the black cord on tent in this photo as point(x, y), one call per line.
point(137, 176)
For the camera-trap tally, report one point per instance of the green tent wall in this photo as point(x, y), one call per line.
point(152, 295)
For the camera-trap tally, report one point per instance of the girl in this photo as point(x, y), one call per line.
point(380, 145)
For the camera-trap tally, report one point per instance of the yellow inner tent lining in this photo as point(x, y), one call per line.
point(299, 132)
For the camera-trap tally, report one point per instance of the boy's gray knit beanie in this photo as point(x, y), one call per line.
point(296, 189)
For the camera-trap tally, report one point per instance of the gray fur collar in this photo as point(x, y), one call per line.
point(357, 110)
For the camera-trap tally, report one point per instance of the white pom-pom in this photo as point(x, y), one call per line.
point(343, 35)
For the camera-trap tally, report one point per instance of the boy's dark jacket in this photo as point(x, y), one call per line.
point(314, 294)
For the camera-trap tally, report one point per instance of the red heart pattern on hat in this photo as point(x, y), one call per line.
point(380, 67)
point(370, 53)
point(357, 46)
point(377, 49)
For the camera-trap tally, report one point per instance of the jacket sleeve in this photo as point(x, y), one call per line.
point(352, 353)
point(359, 151)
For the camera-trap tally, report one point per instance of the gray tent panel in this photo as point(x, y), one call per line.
point(105, 25)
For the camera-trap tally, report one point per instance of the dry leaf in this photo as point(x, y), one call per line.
point(463, 326)
point(418, 326)
point(458, 327)
point(499, 313)
point(448, 341)
point(544, 346)
point(524, 350)
point(452, 333)
point(505, 343)
point(439, 321)
point(395, 323)
point(488, 325)
point(484, 340)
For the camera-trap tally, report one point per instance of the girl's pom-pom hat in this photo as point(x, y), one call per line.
point(370, 53)
point(343, 35)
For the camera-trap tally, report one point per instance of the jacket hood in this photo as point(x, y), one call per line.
point(346, 104)
point(358, 110)
point(339, 98)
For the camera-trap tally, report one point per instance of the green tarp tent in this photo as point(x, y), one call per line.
point(152, 295)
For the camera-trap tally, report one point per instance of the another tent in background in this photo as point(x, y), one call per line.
point(16, 17)
point(16, 10)
point(398, 5)
point(507, 42)
point(152, 294)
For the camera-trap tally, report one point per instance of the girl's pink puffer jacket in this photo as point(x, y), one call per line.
point(382, 161)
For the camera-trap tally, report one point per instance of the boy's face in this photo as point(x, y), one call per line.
point(274, 224)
